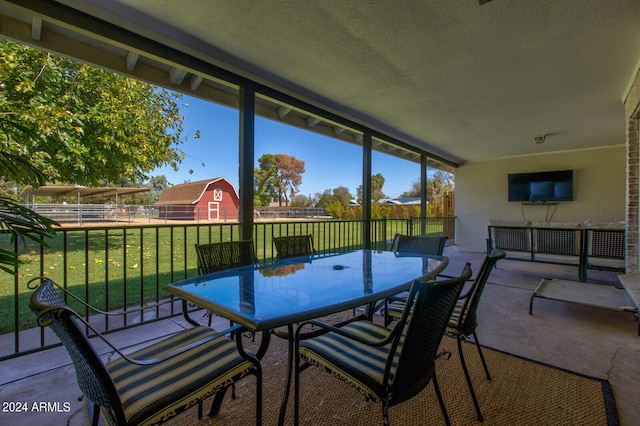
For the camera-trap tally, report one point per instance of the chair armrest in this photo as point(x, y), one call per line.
point(151, 361)
point(88, 306)
point(465, 294)
point(338, 330)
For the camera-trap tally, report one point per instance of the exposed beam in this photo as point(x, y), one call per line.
point(195, 82)
point(283, 111)
point(312, 121)
point(176, 75)
point(338, 130)
point(36, 28)
point(132, 60)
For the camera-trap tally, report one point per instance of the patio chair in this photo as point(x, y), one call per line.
point(410, 244)
point(213, 257)
point(153, 384)
point(386, 365)
point(294, 246)
point(418, 244)
point(464, 321)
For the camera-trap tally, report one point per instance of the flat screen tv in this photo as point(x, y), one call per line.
point(541, 186)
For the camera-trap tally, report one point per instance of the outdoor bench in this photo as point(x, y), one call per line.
point(604, 248)
point(584, 245)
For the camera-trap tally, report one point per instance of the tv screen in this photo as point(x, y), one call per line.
point(541, 186)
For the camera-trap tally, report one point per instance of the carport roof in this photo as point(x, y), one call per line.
point(81, 191)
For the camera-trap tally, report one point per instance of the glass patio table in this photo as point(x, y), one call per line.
point(286, 292)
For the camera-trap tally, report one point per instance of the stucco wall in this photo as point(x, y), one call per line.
point(481, 192)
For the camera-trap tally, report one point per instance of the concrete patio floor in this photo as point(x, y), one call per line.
point(591, 341)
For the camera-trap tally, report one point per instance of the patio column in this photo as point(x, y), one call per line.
point(246, 153)
point(423, 193)
point(367, 145)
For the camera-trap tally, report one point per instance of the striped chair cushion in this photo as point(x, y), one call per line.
point(153, 394)
point(464, 326)
point(362, 366)
point(395, 309)
point(455, 316)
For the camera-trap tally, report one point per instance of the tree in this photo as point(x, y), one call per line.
point(266, 180)
point(157, 185)
point(8, 189)
point(377, 182)
point(441, 183)
point(301, 200)
point(322, 199)
point(62, 121)
point(414, 191)
point(81, 124)
point(18, 221)
point(278, 176)
point(290, 171)
point(342, 195)
point(339, 195)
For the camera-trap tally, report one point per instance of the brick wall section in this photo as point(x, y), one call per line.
point(632, 111)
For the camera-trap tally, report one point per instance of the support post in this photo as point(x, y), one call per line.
point(246, 161)
point(366, 190)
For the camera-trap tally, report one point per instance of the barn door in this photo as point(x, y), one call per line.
point(214, 210)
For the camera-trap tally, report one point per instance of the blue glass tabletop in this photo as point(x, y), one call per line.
point(293, 290)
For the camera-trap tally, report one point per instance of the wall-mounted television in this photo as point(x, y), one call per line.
point(541, 186)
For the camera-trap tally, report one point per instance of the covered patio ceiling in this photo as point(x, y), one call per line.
point(464, 80)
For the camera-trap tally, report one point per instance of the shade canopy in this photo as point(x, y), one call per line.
point(80, 191)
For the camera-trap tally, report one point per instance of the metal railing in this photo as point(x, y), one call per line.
point(125, 266)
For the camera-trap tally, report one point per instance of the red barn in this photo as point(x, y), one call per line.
point(211, 199)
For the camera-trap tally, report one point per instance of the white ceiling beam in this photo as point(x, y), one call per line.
point(36, 28)
point(195, 82)
point(132, 60)
point(337, 131)
point(176, 75)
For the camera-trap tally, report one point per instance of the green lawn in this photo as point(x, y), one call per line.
point(115, 267)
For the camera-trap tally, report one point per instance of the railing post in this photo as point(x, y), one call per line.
point(384, 232)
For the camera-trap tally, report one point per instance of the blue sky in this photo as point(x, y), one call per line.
point(329, 162)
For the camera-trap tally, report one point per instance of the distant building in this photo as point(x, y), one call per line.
point(211, 199)
point(398, 201)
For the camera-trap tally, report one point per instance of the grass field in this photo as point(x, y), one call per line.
point(111, 267)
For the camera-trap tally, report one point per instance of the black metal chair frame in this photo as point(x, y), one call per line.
point(93, 376)
point(214, 257)
point(418, 244)
point(467, 321)
point(420, 329)
point(466, 313)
